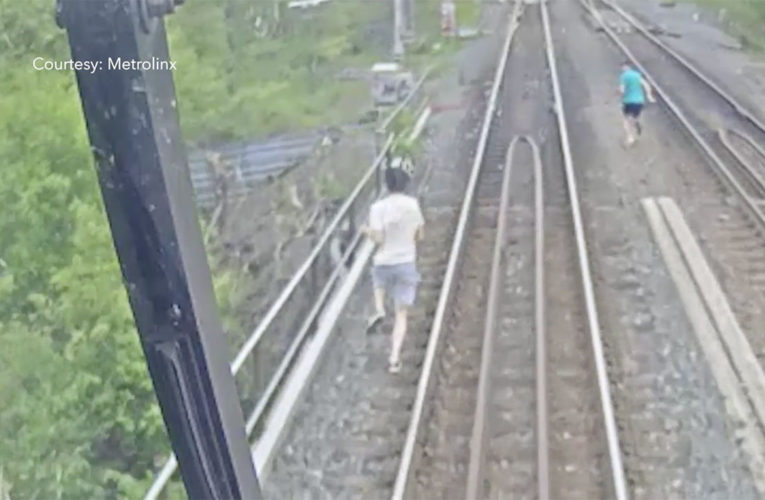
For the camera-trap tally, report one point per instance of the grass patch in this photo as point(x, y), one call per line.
point(430, 48)
point(745, 19)
point(468, 12)
point(234, 81)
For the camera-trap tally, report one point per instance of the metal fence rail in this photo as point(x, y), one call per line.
point(314, 277)
point(406, 103)
point(361, 195)
point(249, 163)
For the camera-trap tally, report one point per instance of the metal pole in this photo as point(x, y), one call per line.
point(398, 27)
point(143, 173)
point(409, 18)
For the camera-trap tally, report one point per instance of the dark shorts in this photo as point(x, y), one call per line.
point(632, 110)
point(398, 280)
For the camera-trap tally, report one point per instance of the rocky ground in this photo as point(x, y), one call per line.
point(676, 440)
point(699, 33)
point(347, 434)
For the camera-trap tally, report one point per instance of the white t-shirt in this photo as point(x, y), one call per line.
point(397, 217)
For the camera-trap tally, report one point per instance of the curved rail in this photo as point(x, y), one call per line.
point(478, 440)
point(740, 108)
point(403, 476)
point(543, 460)
point(720, 168)
point(751, 172)
point(612, 434)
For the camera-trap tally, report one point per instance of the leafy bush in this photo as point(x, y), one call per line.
point(79, 417)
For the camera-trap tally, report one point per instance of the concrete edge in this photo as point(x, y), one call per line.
point(739, 349)
point(280, 417)
point(737, 406)
point(264, 450)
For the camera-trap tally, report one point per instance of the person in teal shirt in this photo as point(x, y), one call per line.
point(634, 90)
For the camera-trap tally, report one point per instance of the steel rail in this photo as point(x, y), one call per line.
point(475, 483)
point(754, 177)
point(403, 476)
point(746, 137)
point(543, 445)
point(720, 168)
point(740, 108)
point(612, 434)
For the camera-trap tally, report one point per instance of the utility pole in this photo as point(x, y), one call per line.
point(398, 28)
point(132, 121)
point(409, 18)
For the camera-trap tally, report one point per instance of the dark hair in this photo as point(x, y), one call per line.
point(396, 180)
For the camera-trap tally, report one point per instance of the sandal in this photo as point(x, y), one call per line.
point(374, 321)
point(394, 366)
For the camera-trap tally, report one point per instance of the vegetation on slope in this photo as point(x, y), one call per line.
point(744, 18)
point(79, 417)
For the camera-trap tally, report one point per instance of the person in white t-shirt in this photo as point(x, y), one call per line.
point(395, 225)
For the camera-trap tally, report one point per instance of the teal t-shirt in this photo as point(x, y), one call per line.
point(633, 88)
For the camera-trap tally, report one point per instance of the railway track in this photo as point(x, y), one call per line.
point(350, 428)
point(428, 432)
point(366, 435)
point(708, 113)
point(487, 443)
point(732, 138)
point(357, 454)
point(721, 194)
point(536, 426)
point(537, 364)
point(708, 109)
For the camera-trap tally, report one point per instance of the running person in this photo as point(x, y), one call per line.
point(395, 225)
point(634, 89)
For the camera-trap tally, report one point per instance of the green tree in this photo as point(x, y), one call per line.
point(79, 417)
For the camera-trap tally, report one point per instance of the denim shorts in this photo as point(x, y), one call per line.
point(398, 280)
point(632, 110)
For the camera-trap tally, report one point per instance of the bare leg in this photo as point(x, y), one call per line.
point(628, 129)
point(380, 301)
point(635, 122)
point(398, 334)
point(379, 313)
